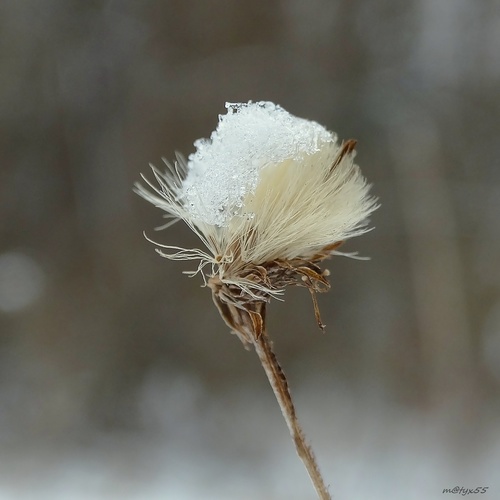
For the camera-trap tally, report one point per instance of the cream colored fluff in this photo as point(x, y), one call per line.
point(292, 204)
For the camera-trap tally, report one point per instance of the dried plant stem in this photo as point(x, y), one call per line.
point(277, 379)
point(246, 317)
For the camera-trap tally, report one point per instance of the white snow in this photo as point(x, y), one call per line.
point(249, 137)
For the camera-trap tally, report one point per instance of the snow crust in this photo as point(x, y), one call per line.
point(249, 138)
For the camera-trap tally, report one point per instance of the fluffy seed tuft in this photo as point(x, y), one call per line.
point(267, 191)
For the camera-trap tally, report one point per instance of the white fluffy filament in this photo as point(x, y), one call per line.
point(299, 205)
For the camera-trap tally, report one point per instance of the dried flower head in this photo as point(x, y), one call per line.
point(270, 195)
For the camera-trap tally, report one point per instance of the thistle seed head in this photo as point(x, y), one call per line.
point(270, 196)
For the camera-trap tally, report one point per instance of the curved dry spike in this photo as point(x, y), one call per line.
point(346, 148)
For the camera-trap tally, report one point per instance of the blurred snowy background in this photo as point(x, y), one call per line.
point(118, 380)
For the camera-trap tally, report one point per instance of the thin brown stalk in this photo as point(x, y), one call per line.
point(279, 384)
point(247, 319)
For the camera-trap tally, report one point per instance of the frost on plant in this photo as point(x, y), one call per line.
point(226, 168)
point(266, 189)
point(270, 196)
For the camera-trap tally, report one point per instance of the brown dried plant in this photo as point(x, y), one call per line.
point(271, 196)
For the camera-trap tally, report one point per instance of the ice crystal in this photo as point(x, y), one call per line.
point(227, 167)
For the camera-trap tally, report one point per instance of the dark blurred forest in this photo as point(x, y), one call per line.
point(118, 379)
